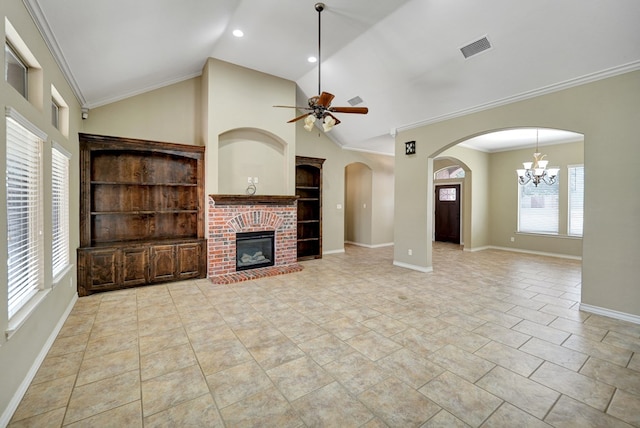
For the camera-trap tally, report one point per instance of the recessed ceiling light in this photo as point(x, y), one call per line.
point(238, 33)
point(312, 59)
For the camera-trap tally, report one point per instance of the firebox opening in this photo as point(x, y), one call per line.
point(254, 250)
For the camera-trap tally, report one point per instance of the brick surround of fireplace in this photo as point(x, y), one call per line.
point(231, 214)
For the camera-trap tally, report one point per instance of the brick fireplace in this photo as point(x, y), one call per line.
point(230, 215)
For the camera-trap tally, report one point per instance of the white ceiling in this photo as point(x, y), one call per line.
point(401, 57)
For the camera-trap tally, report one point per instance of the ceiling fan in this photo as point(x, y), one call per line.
point(320, 105)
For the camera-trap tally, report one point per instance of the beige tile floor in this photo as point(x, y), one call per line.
point(488, 339)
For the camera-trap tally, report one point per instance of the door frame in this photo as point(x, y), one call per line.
point(461, 197)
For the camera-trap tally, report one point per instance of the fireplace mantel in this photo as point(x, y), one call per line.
point(254, 199)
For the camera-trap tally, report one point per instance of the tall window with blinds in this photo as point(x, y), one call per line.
point(24, 211)
point(60, 209)
point(538, 208)
point(576, 199)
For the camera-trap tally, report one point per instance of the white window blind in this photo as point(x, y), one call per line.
point(576, 199)
point(538, 208)
point(24, 211)
point(60, 209)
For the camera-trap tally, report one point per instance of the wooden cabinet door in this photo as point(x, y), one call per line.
point(135, 266)
point(188, 257)
point(103, 269)
point(163, 262)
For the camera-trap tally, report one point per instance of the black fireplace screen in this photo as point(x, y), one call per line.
point(254, 250)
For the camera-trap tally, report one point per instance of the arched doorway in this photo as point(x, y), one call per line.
point(358, 181)
point(449, 179)
point(496, 203)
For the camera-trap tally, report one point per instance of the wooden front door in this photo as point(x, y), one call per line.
point(447, 203)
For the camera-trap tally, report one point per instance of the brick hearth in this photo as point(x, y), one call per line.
point(231, 214)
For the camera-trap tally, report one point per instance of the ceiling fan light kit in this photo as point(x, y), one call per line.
point(320, 105)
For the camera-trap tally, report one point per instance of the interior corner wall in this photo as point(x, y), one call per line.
point(22, 352)
point(317, 144)
point(606, 112)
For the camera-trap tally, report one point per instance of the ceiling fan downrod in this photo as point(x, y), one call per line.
point(319, 7)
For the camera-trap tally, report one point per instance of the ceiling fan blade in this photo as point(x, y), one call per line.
point(325, 99)
point(301, 108)
point(357, 110)
point(298, 118)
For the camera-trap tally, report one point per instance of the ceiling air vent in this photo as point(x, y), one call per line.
point(355, 101)
point(476, 47)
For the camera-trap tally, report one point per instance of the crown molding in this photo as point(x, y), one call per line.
point(33, 7)
point(589, 78)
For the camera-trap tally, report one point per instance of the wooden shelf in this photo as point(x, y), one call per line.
point(144, 212)
point(309, 192)
point(141, 213)
point(138, 183)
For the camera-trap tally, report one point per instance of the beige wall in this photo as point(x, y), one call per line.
point(21, 353)
point(606, 112)
point(240, 98)
point(168, 114)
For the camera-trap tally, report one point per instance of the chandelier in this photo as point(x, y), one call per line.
point(537, 171)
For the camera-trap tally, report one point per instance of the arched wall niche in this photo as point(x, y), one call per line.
point(245, 153)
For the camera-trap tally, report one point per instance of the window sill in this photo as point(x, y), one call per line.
point(549, 235)
point(24, 313)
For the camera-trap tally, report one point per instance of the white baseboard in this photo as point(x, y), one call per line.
point(610, 313)
point(5, 418)
point(413, 267)
point(333, 252)
point(518, 250)
point(358, 244)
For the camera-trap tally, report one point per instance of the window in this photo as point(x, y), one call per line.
point(55, 114)
point(59, 112)
point(15, 70)
point(60, 209)
point(576, 199)
point(447, 194)
point(538, 208)
point(449, 172)
point(24, 210)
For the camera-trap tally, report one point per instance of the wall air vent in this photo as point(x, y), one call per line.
point(476, 47)
point(355, 101)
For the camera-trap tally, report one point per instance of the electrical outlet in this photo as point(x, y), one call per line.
point(410, 252)
point(249, 180)
point(513, 239)
point(255, 180)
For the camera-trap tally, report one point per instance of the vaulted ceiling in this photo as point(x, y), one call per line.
point(402, 57)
